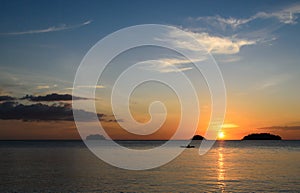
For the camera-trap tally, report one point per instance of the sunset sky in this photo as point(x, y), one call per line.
point(255, 44)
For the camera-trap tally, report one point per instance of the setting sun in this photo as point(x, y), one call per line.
point(221, 135)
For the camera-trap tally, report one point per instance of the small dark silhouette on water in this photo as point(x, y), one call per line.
point(95, 137)
point(198, 137)
point(188, 146)
point(262, 136)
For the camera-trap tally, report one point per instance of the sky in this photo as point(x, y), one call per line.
point(255, 44)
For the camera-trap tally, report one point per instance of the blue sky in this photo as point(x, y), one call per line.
point(75, 26)
point(254, 42)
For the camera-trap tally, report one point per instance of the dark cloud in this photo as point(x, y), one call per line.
point(43, 112)
point(284, 128)
point(52, 97)
point(6, 98)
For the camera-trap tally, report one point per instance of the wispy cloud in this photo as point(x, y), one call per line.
point(222, 45)
point(273, 81)
point(19, 81)
point(288, 15)
point(284, 128)
point(49, 29)
point(229, 59)
point(213, 44)
point(166, 65)
point(40, 87)
point(87, 87)
point(240, 32)
point(90, 86)
point(229, 125)
point(221, 22)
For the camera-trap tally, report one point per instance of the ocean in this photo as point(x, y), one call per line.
point(230, 166)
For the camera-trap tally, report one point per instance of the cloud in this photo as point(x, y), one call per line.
point(231, 59)
point(49, 29)
point(42, 112)
point(223, 45)
point(86, 86)
point(288, 15)
point(223, 23)
point(90, 86)
point(19, 82)
point(6, 98)
point(284, 128)
point(52, 97)
point(42, 87)
point(229, 125)
point(213, 44)
point(273, 81)
point(166, 65)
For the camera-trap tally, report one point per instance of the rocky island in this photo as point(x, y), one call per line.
point(198, 137)
point(262, 136)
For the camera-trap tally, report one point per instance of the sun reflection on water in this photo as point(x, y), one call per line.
point(221, 170)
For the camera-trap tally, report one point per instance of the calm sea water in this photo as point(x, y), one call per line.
point(231, 166)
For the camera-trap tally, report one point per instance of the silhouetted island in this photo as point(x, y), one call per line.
point(95, 137)
point(262, 136)
point(198, 137)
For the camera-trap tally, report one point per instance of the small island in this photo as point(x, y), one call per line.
point(262, 136)
point(198, 137)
